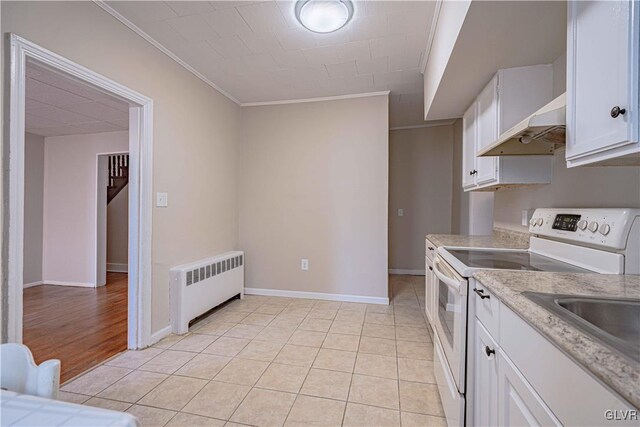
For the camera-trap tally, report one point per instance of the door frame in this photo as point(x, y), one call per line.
point(140, 190)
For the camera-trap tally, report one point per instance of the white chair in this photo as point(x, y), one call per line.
point(19, 372)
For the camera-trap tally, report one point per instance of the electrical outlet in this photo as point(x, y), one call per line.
point(162, 200)
point(304, 264)
point(400, 212)
point(526, 216)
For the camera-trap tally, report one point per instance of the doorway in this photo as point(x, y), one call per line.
point(75, 221)
point(137, 295)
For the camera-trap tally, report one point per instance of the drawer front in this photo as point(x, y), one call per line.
point(487, 308)
point(430, 249)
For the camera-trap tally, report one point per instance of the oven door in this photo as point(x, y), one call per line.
point(451, 318)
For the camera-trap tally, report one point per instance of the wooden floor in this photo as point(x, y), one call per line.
point(80, 326)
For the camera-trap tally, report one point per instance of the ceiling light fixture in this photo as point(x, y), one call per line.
point(324, 16)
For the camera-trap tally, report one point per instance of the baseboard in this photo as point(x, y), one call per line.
point(32, 284)
point(316, 295)
point(158, 335)
point(115, 267)
point(408, 272)
point(75, 284)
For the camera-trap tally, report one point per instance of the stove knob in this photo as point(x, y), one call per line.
point(540, 222)
point(582, 224)
point(533, 222)
point(605, 229)
point(593, 226)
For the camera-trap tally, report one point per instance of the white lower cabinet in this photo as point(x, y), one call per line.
point(485, 404)
point(430, 283)
point(519, 378)
point(502, 396)
point(429, 302)
point(518, 403)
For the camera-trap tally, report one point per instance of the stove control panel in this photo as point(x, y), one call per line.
point(610, 228)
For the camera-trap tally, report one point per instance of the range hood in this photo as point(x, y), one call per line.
point(538, 134)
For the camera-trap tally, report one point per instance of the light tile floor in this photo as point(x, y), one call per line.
point(268, 361)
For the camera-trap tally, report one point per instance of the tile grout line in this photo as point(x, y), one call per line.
point(220, 316)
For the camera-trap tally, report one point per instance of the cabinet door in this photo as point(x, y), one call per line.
point(485, 381)
point(602, 73)
point(469, 136)
point(428, 290)
point(487, 123)
point(518, 402)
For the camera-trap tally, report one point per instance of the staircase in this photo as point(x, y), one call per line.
point(118, 175)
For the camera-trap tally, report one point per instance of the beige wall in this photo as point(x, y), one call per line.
point(195, 130)
point(420, 183)
point(581, 187)
point(118, 232)
point(314, 184)
point(33, 205)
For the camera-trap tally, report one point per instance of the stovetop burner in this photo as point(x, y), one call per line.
point(511, 260)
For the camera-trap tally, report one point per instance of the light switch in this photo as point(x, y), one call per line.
point(400, 212)
point(304, 264)
point(162, 200)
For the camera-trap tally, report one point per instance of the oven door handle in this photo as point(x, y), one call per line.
point(452, 283)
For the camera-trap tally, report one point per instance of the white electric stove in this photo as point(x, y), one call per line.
point(564, 240)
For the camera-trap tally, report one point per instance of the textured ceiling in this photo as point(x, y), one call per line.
point(58, 105)
point(258, 51)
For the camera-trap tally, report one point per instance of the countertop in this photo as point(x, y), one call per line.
point(505, 239)
point(617, 371)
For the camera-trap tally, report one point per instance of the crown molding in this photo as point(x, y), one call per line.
point(432, 32)
point(426, 125)
point(325, 98)
point(111, 11)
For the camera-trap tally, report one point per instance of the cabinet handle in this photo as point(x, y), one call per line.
point(480, 293)
point(473, 172)
point(616, 111)
point(431, 268)
point(430, 248)
point(489, 351)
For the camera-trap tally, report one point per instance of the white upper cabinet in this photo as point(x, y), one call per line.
point(488, 123)
point(603, 52)
point(510, 96)
point(469, 136)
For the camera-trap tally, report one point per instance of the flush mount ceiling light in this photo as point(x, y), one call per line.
point(324, 16)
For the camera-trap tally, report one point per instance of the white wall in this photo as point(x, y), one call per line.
point(118, 232)
point(195, 131)
point(71, 205)
point(420, 183)
point(33, 208)
point(450, 19)
point(314, 184)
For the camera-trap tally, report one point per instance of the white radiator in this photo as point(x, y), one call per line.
point(200, 286)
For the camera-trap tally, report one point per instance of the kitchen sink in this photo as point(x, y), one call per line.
point(612, 321)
